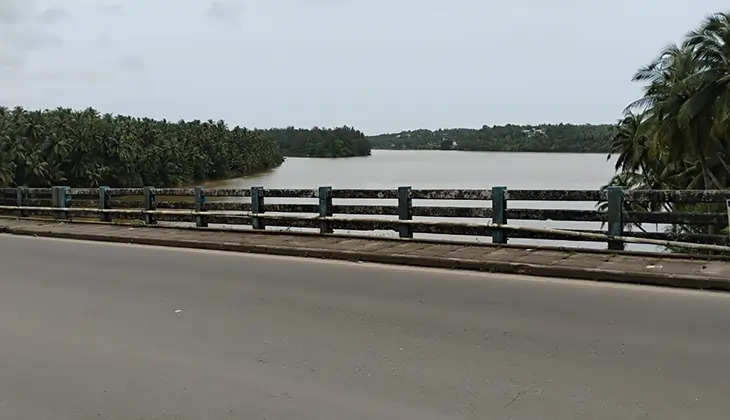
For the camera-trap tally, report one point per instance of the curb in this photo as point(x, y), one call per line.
point(632, 253)
point(539, 270)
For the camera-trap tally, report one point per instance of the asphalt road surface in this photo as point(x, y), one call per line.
point(108, 331)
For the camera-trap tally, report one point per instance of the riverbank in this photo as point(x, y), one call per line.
point(553, 138)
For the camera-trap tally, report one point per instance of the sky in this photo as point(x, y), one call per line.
point(378, 65)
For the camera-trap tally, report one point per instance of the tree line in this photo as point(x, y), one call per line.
point(320, 142)
point(86, 148)
point(505, 138)
point(677, 135)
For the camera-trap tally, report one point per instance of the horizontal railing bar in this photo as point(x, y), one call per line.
point(678, 196)
point(227, 205)
point(8, 192)
point(434, 194)
point(556, 195)
point(166, 204)
point(353, 193)
point(677, 218)
point(31, 192)
point(393, 224)
point(292, 208)
point(227, 192)
point(181, 192)
point(116, 192)
point(424, 211)
point(85, 192)
point(466, 212)
point(684, 237)
point(34, 192)
point(38, 202)
point(289, 193)
point(669, 196)
point(368, 210)
point(698, 237)
point(175, 192)
point(659, 196)
point(556, 214)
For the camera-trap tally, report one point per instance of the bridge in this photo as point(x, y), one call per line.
point(122, 303)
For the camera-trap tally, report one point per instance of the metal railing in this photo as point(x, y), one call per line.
point(488, 208)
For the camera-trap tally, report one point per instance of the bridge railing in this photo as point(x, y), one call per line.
point(489, 211)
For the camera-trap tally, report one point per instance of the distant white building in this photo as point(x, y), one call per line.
point(532, 132)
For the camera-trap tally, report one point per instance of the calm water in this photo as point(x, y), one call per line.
point(387, 169)
point(437, 169)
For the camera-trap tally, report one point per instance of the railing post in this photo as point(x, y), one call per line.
point(200, 220)
point(405, 211)
point(257, 207)
point(150, 204)
point(325, 208)
point(728, 217)
point(499, 213)
point(21, 193)
point(615, 217)
point(61, 198)
point(105, 203)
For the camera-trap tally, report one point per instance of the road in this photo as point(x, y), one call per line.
point(110, 331)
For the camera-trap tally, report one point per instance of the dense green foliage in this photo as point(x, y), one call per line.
point(84, 148)
point(508, 138)
point(677, 136)
point(320, 142)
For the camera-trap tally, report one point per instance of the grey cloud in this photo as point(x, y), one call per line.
point(10, 60)
point(228, 12)
point(104, 41)
point(21, 34)
point(73, 76)
point(54, 15)
point(18, 43)
point(12, 11)
point(111, 9)
point(132, 63)
point(37, 41)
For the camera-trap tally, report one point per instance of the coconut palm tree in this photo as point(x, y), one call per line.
point(85, 148)
point(685, 125)
point(710, 105)
point(677, 136)
point(631, 143)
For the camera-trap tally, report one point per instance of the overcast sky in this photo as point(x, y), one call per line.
point(379, 65)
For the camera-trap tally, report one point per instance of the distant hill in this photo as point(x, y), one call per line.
point(566, 138)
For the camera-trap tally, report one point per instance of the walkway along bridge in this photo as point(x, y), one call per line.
point(491, 212)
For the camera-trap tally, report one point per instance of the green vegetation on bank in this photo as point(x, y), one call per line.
point(677, 136)
point(85, 148)
point(507, 138)
point(320, 142)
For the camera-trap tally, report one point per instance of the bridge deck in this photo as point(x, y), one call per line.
point(92, 330)
point(666, 270)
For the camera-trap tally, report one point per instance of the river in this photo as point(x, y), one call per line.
point(388, 169)
point(437, 169)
